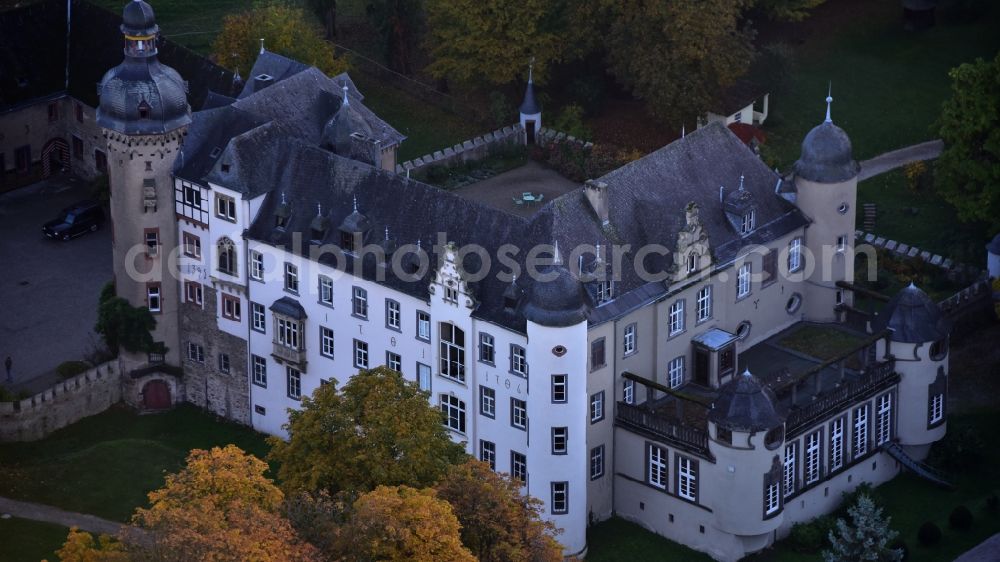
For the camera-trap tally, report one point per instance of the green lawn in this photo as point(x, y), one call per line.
point(29, 541)
point(821, 342)
point(105, 464)
point(192, 23)
point(617, 540)
point(888, 84)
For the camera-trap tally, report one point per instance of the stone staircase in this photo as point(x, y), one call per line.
point(870, 211)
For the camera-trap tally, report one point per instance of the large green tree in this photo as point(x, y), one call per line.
point(676, 55)
point(379, 430)
point(968, 172)
point(125, 326)
point(286, 30)
point(787, 10)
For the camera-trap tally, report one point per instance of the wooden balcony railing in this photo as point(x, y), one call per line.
point(647, 421)
point(875, 377)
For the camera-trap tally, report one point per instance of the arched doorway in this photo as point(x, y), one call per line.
point(55, 156)
point(156, 395)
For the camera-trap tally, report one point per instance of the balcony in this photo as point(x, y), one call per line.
point(873, 379)
point(285, 354)
point(649, 422)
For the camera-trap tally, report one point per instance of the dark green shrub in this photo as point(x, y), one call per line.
point(811, 537)
point(900, 545)
point(69, 369)
point(960, 518)
point(961, 450)
point(929, 534)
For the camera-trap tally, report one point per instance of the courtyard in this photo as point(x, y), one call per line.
point(48, 289)
point(503, 190)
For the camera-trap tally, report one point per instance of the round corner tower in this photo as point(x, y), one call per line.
point(144, 115)
point(556, 314)
point(826, 184)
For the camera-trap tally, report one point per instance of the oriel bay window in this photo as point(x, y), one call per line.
point(452, 352)
point(289, 319)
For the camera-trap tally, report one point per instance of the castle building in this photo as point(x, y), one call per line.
point(673, 343)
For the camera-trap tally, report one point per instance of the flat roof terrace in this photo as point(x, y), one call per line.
point(503, 190)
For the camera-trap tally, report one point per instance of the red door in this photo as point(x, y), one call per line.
point(156, 395)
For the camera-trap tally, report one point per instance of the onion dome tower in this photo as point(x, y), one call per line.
point(826, 185)
point(920, 334)
point(144, 114)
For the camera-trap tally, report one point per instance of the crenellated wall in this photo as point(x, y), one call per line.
point(473, 149)
point(86, 394)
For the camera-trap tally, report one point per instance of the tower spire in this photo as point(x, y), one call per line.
point(346, 101)
point(355, 203)
point(531, 70)
point(556, 256)
point(829, 100)
point(262, 45)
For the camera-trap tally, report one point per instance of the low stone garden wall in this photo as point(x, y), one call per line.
point(476, 148)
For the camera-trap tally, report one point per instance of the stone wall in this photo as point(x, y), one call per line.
point(474, 149)
point(86, 394)
point(205, 385)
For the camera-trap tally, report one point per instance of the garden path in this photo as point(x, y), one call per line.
point(49, 514)
point(901, 157)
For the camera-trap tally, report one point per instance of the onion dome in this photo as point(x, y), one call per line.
point(913, 318)
point(138, 19)
point(560, 302)
point(745, 404)
point(827, 156)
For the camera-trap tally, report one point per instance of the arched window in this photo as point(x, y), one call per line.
point(227, 256)
point(692, 262)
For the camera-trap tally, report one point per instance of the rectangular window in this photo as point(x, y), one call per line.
point(195, 352)
point(452, 351)
point(230, 307)
point(769, 268)
point(795, 255)
point(743, 281)
point(604, 291)
point(325, 288)
point(597, 407)
point(451, 295)
point(259, 410)
point(153, 297)
point(193, 292)
point(749, 222)
point(394, 361)
point(192, 246)
point(675, 371)
point(192, 196)
point(676, 317)
point(518, 413)
point(259, 366)
point(597, 354)
point(424, 377)
point(560, 497)
point(258, 319)
point(487, 348)
point(454, 412)
point(518, 361)
point(392, 315)
point(628, 340)
point(487, 402)
point(812, 468)
point(359, 302)
point(841, 243)
point(836, 444)
point(360, 354)
point(225, 207)
point(705, 303)
point(326, 342)
point(224, 363)
point(789, 468)
point(884, 419)
point(597, 462)
point(79, 113)
point(288, 332)
point(152, 236)
point(423, 326)
point(256, 265)
point(291, 278)
point(687, 478)
point(860, 431)
point(294, 383)
point(656, 467)
point(519, 466)
point(559, 389)
point(628, 391)
point(937, 408)
point(53, 112)
point(488, 453)
point(772, 499)
point(77, 147)
point(560, 438)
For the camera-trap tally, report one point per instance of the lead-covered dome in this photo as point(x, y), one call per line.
point(559, 302)
point(138, 19)
point(913, 318)
point(827, 156)
point(745, 404)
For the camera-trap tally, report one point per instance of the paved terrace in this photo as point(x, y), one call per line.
point(500, 190)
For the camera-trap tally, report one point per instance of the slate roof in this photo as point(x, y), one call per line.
point(913, 318)
point(745, 404)
point(827, 156)
point(530, 105)
point(33, 53)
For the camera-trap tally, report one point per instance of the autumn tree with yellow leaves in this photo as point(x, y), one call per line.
point(286, 30)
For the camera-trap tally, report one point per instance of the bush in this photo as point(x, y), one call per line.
point(961, 450)
point(811, 537)
point(960, 518)
point(900, 545)
point(993, 503)
point(570, 121)
point(929, 534)
point(69, 369)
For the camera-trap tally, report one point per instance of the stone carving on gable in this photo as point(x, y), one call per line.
point(448, 283)
point(692, 253)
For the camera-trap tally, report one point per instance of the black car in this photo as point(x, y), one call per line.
point(77, 219)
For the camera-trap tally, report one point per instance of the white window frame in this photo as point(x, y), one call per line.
point(487, 348)
point(772, 498)
point(359, 302)
point(325, 287)
point(789, 467)
point(937, 408)
point(326, 342)
point(628, 339)
point(487, 401)
point(225, 207)
point(749, 222)
point(393, 315)
point(559, 389)
point(560, 497)
point(360, 354)
point(394, 361)
point(705, 303)
point(605, 291)
point(454, 412)
point(256, 265)
point(518, 413)
point(258, 317)
point(597, 462)
point(154, 300)
point(861, 430)
point(743, 280)
point(884, 434)
point(597, 407)
point(291, 277)
point(452, 352)
point(560, 440)
point(842, 243)
point(293, 379)
point(258, 365)
point(813, 452)
point(424, 376)
point(795, 255)
point(687, 479)
point(488, 453)
point(675, 371)
point(423, 325)
point(518, 360)
point(288, 332)
point(656, 469)
point(676, 317)
point(519, 466)
point(628, 391)
point(195, 352)
point(837, 444)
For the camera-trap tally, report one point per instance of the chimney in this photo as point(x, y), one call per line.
point(691, 214)
point(597, 196)
point(262, 81)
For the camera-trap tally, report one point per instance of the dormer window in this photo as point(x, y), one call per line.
point(604, 291)
point(692, 262)
point(144, 110)
point(749, 222)
point(346, 241)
